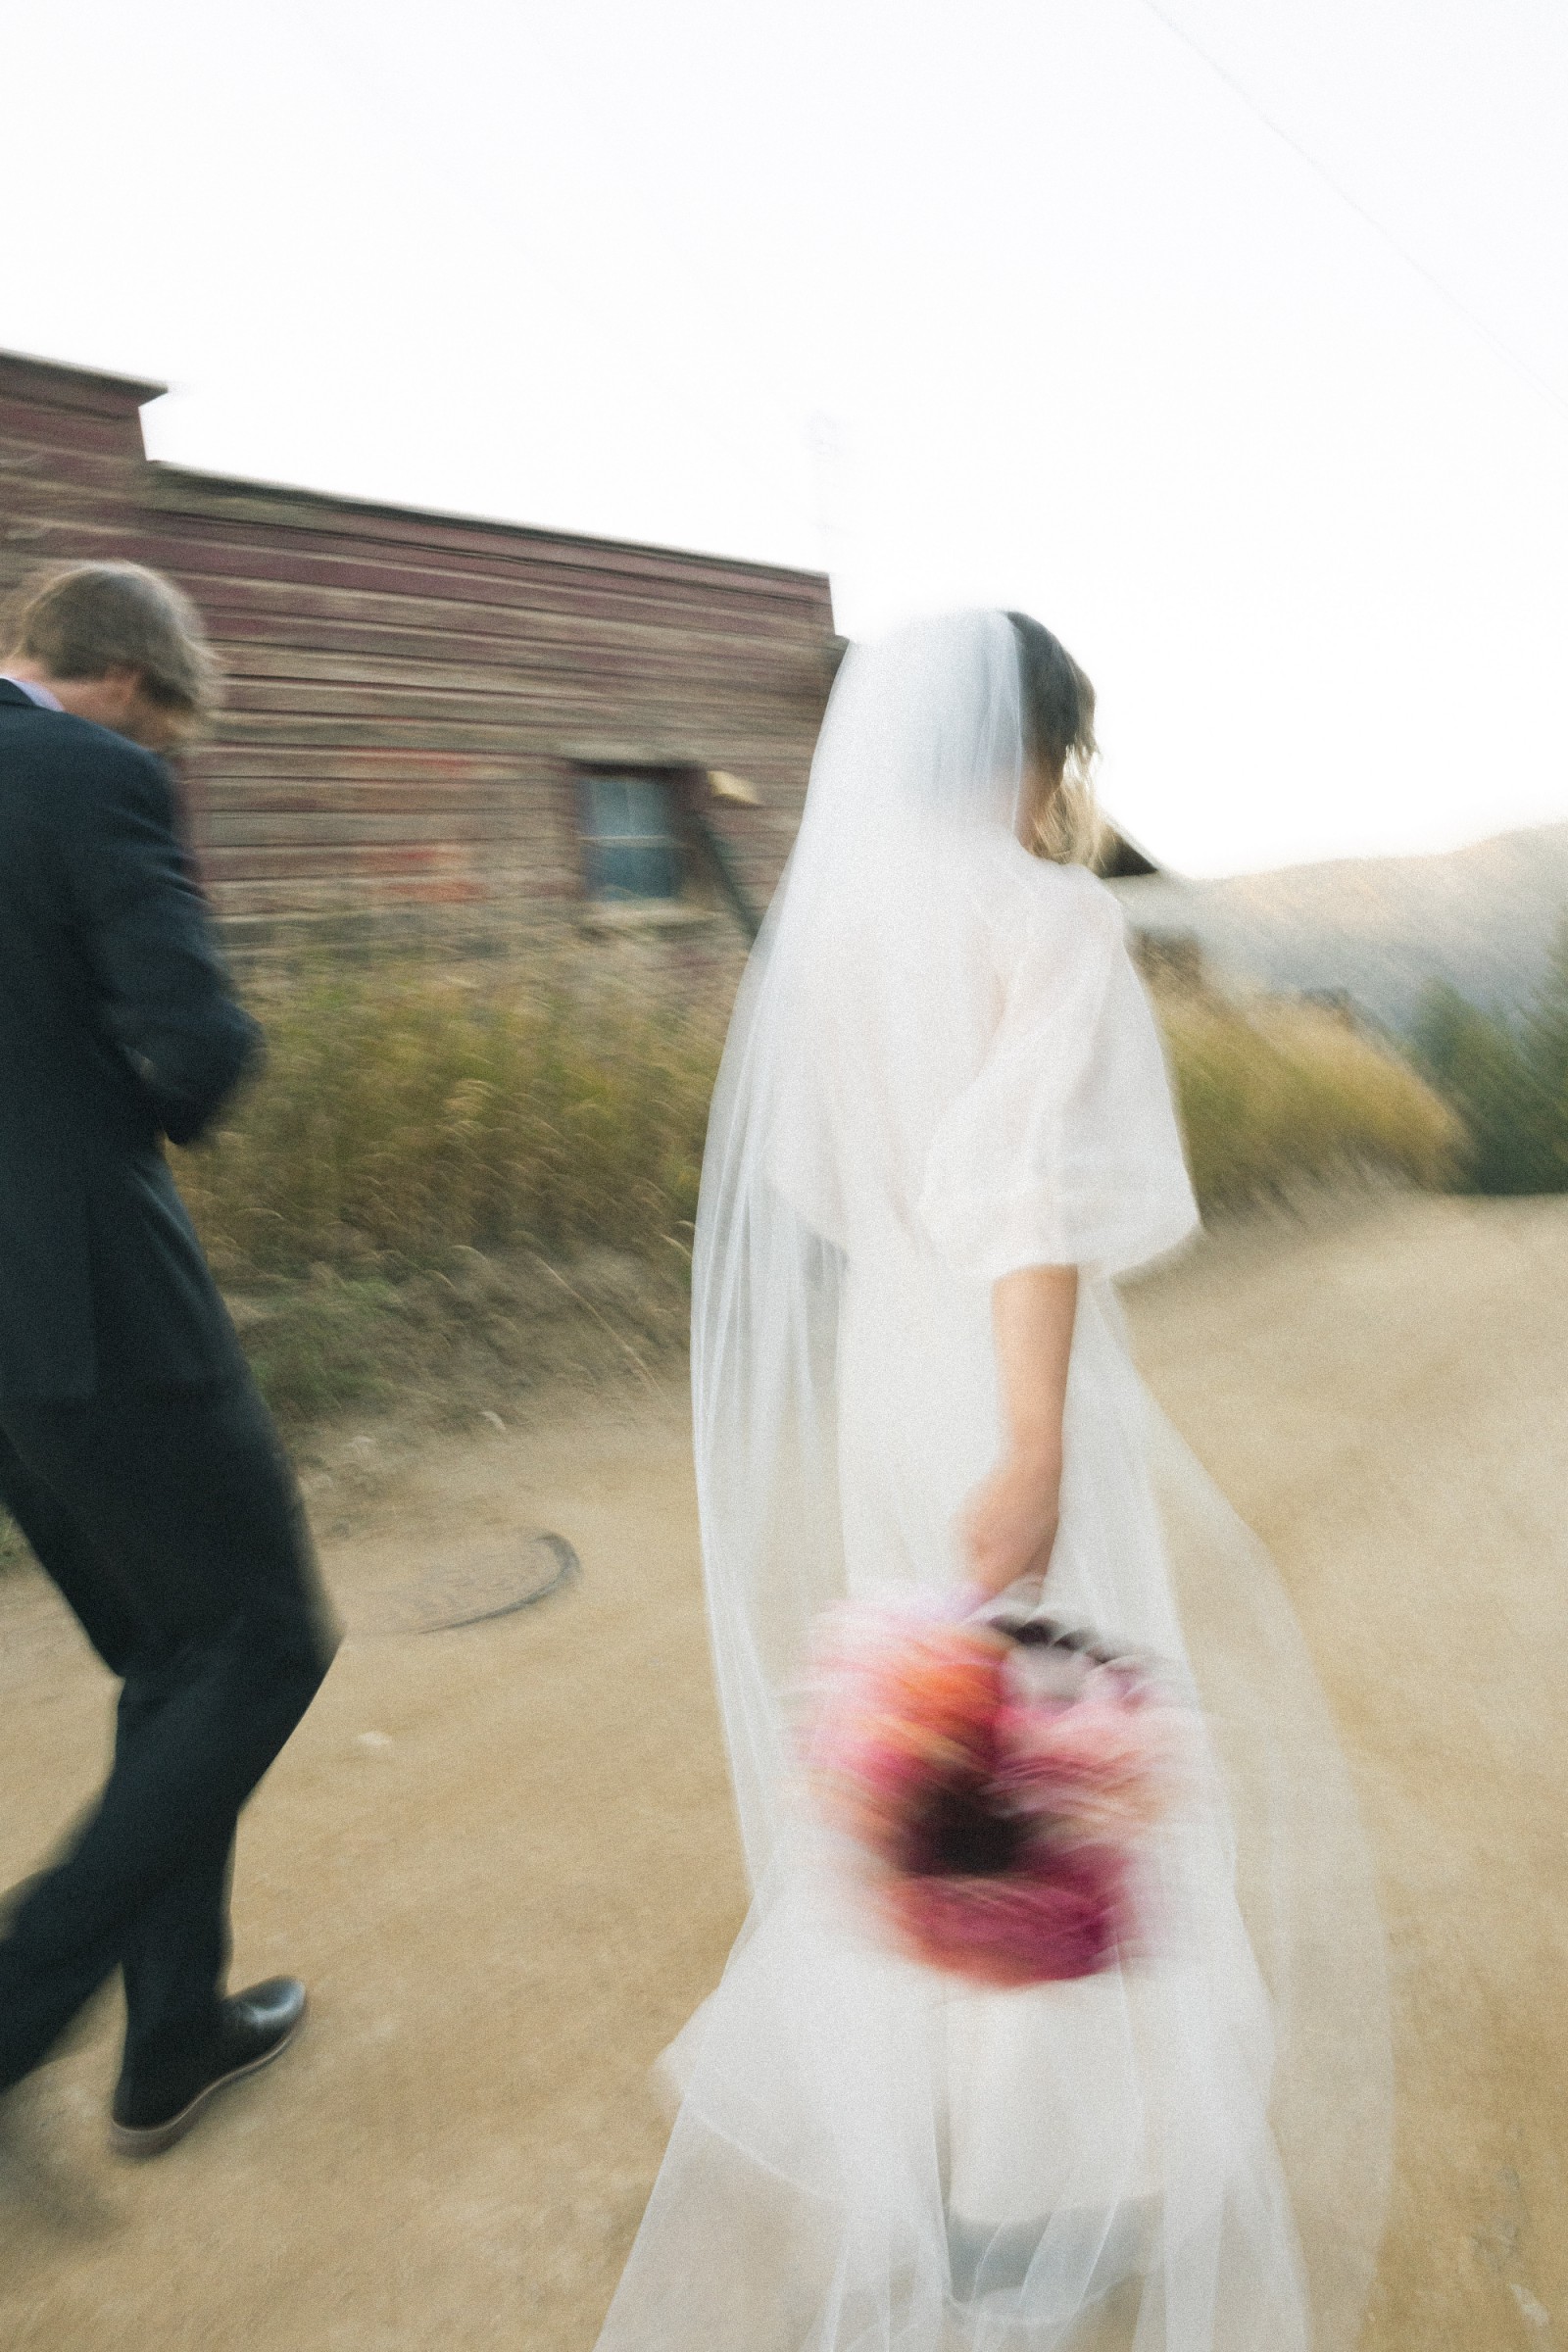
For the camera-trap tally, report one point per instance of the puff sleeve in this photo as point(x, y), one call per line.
point(1064, 1148)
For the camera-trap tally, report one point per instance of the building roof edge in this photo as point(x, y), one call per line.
point(393, 510)
point(138, 388)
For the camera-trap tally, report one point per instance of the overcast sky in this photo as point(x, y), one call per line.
point(972, 301)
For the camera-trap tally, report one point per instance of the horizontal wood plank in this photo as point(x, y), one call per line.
point(409, 696)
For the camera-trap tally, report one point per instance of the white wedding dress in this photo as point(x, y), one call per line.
point(943, 1067)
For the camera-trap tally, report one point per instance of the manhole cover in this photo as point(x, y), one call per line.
point(494, 1580)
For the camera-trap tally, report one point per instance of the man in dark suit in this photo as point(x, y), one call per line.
point(136, 1453)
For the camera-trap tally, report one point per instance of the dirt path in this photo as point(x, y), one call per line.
point(504, 1856)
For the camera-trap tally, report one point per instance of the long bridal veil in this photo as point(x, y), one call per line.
point(941, 1065)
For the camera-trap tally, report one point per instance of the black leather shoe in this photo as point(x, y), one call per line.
point(252, 2028)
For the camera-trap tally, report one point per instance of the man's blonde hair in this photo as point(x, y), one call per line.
point(93, 618)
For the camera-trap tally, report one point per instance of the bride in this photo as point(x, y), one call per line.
point(942, 1129)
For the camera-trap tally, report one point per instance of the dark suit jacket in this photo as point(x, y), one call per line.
point(117, 1029)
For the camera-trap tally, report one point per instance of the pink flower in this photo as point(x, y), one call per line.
point(1104, 1763)
point(992, 1792)
point(1067, 1919)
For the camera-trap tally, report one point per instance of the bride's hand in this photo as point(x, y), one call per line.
point(1009, 1523)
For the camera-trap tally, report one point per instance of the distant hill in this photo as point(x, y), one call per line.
point(1380, 928)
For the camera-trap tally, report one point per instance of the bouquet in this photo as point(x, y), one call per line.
point(992, 1780)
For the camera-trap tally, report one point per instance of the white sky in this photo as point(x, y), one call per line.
point(978, 301)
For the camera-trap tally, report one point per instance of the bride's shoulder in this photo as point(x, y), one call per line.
point(1035, 903)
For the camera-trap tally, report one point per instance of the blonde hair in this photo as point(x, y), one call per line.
point(1068, 827)
point(1056, 701)
point(93, 618)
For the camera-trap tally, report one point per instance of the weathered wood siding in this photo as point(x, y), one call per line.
point(411, 697)
point(71, 466)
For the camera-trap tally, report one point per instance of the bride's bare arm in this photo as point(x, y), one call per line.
point(1011, 1523)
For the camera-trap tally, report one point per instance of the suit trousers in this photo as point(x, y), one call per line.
point(170, 1522)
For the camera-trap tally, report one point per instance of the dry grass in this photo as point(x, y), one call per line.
point(408, 1114)
point(1275, 1095)
point(465, 1180)
point(455, 1187)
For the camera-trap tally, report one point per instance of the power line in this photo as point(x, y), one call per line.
point(1413, 261)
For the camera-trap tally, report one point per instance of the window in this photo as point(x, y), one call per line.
point(631, 837)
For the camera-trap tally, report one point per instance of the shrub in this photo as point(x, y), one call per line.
point(1275, 1092)
point(410, 1115)
point(1509, 1084)
point(411, 1112)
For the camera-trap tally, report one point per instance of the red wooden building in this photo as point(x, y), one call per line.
point(501, 731)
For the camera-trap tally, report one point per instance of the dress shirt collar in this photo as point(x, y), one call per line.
point(35, 694)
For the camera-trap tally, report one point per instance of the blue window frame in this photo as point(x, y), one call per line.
point(631, 837)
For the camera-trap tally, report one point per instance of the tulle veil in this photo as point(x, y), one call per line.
point(838, 2173)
